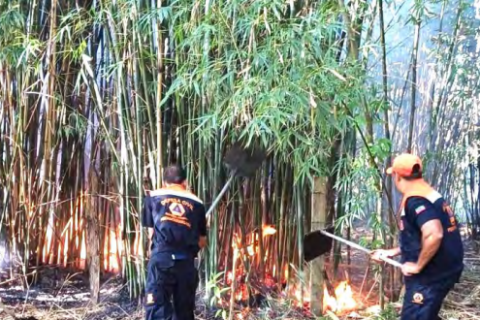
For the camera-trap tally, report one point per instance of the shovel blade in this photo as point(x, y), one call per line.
point(244, 161)
point(316, 244)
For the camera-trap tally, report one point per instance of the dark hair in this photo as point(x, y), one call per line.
point(147, 184)
point(174, 174)
point(416, 173)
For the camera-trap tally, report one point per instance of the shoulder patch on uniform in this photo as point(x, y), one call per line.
point(420, 209)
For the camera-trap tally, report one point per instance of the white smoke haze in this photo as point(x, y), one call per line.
point(4, 259)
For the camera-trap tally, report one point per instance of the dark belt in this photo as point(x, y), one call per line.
point(168, 254)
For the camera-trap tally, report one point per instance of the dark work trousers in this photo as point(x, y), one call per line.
point(169, 280)
point(423, 302)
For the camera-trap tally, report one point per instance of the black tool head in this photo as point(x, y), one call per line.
point(245, 161)
point(316, 244)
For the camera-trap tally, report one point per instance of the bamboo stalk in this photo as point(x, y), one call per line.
point(233, 287)
point(413, 88)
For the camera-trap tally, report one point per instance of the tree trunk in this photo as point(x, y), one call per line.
point(93, 236)
point(319, 217)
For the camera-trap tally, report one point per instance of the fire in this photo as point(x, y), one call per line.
point(250, 250)
point(268, 231)
point(252, 240)
point(229, 277)
point(342, 302)
point(246, 248)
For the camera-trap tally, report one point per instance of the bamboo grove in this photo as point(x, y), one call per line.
point(96, 97)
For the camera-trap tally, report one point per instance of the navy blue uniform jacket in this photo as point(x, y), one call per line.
point(448, 261)
point(178, 219)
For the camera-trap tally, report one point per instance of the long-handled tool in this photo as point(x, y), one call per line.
point(241, 161)
point(319, 242)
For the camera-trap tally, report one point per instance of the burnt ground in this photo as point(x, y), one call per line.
point(62, 295)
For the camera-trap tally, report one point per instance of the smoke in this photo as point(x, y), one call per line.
point(4, 257)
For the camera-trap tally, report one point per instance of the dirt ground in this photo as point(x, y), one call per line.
point(60, 295)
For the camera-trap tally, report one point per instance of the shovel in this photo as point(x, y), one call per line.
point(319, 242)
point(241, 161)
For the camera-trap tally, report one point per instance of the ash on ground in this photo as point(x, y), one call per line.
point(62, 295)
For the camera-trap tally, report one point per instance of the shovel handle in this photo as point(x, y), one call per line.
point(394, 263)
point(359, 247)
point(214, 204)
point(219, 196)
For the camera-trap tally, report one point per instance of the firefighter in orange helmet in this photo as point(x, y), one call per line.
point(431, 247)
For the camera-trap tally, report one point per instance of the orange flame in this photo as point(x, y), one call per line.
point(268, 231)
point(229, 277)
point(342, 303)
point(110, 252)
point(252, 248)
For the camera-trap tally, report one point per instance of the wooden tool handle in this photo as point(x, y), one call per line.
point(359, 247)
point(219, 196)
point(394, 263)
